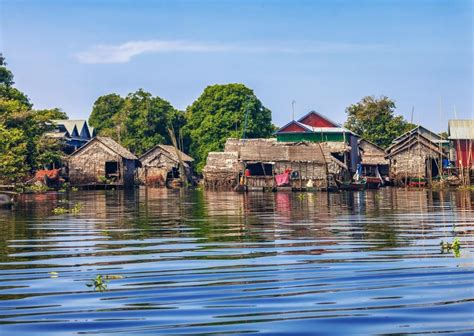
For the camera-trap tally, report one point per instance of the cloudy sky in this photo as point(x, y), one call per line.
point(325, 55)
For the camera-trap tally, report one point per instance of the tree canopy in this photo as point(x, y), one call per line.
point(23, 145)
point(220, 113)
point(138, 121)
point(374, 119)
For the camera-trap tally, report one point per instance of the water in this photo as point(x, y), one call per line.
point(225, 263)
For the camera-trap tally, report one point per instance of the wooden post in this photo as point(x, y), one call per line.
point(182, 170)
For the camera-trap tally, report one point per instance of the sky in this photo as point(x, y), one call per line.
point(324, 55)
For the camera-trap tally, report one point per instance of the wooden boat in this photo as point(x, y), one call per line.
point(353, 185)
point(6, 200)
point(373, 182)
point(417, 182)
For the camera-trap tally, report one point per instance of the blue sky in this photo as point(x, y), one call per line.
point(325, 55)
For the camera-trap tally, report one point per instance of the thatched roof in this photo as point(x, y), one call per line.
point(110, 144)
point(412, 140)
point(222, 162)
point(371, 154)
point(171, 153)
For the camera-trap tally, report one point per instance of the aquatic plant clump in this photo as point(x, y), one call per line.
point(455, 247)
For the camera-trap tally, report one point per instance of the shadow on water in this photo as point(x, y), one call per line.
point(198, 262)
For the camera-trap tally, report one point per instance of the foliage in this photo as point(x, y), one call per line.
point(62, 211)
point(455, 247)
point(23, 146)
point(373, 119)
point(218, 114)
point(104, 110)
point(13, 154)
point(138, 121)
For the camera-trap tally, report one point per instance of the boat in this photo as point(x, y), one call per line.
point(356, 185)
point(373, 182)
point(417, 182)
point(6, 200)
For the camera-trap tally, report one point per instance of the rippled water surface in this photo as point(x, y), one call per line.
point(200, 262)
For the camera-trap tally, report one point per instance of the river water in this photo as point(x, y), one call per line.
point(198, 262)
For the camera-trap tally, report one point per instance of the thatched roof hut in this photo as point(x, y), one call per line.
point(161, 163)
point(102, 161)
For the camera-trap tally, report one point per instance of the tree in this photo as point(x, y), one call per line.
point(138, 121)
point(6, 76)
point(104, 110)
point(23, 144)
point(220, 113)
point(373, 119)
point(13, 154)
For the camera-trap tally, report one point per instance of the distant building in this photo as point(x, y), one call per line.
point(102, 161)
point(259, 161)
point(461, 135)
point(314, 127)
point(417, 154)
point(373, 161)
point(74, 133)
point(161, 164)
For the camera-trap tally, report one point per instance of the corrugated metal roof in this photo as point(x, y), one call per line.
point(461, 129)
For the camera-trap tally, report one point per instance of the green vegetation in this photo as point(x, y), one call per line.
point(138, 121)
point(373, 119)
point(23, 146)
point(220, 113)
point(455, 247)
point(73, 211)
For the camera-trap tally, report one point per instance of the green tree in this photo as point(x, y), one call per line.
point(138, 121)
point(13, 154)
point(220, 113)
point(373, 119)
point(23, 144)
point(104, 110)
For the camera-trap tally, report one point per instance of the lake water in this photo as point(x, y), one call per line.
point(196, 262)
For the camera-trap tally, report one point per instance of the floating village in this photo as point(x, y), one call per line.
point(312, 153)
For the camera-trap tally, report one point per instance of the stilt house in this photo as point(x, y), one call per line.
point(161, 164)
point(415, 156)
point(314, 127)
point(258, 161)
point(102, 161)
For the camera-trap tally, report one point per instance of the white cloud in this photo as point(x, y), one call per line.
point(123, 53)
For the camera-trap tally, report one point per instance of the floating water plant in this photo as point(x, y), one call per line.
point(454, 247)
point(99, 283)
point(62, 211)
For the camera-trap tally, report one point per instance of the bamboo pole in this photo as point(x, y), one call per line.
point(182, 170)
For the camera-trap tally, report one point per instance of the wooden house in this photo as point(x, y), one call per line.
point(161, 163)
point(257, 162)
point(415, 158)
point(373, 162)
point(314, 127)
point(102, 161)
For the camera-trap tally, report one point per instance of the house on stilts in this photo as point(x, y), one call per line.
point(102, 162)
point(160, 165)
point(417, 157)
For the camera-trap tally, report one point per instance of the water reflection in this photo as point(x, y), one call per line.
point(196, 262)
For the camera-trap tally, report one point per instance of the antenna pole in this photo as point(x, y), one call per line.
point(293, 108)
